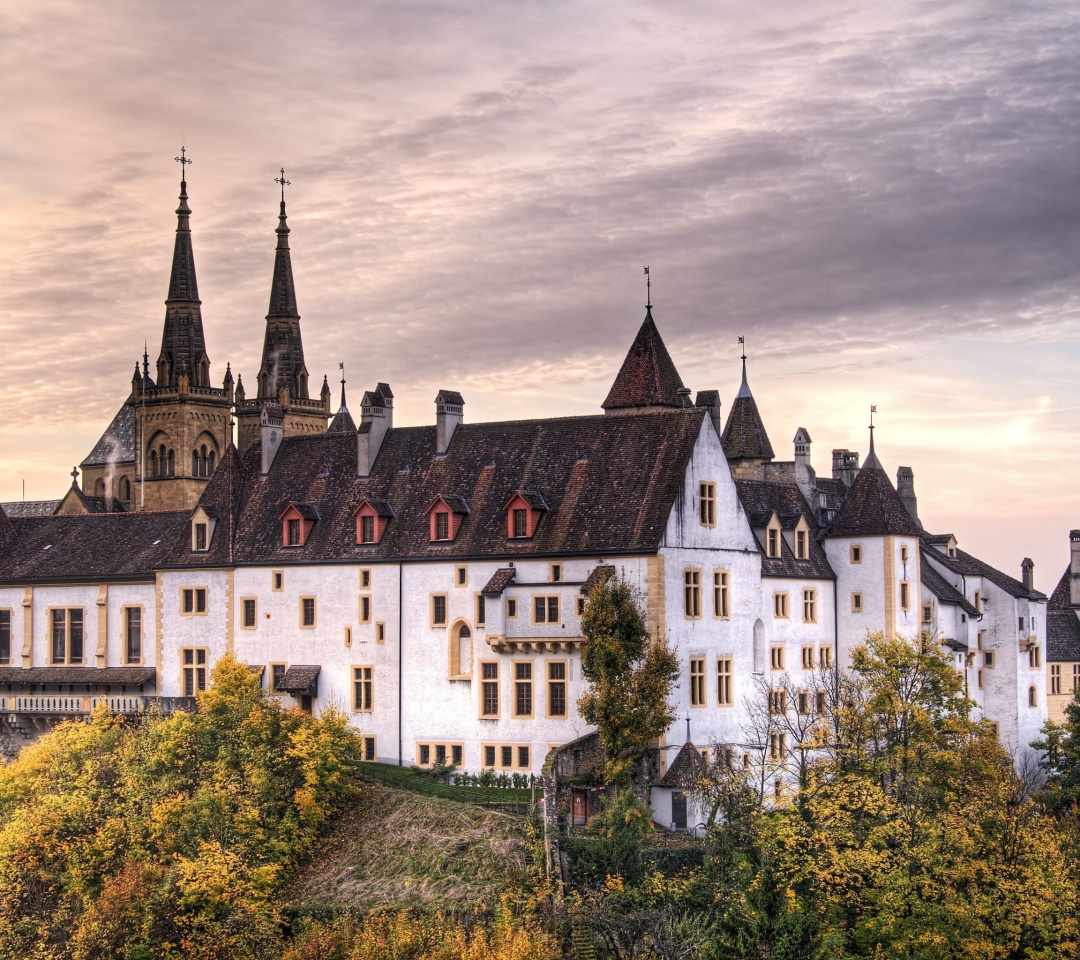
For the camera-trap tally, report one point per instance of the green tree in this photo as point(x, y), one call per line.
point(630, 677)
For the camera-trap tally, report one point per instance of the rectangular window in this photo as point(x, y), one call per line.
point(1021, 625)
point(521, 522)
point(438, 609)
point(277, 675)
point(802, 702)
point(777, 747)
point(293, 527)
point(903, 554)
point(193, 601)
point(988, 659)
point(808, 658)
point(905, 595)
point(721, 592)
point(545, 609)
point(363, 689)
point(348, 636)
point(1055, 678)
point(489, 756)
point(809, 606)
point(365, 608)
point(442, 525)
point(367, 528)
point(523, 690)
point(707, 504)
point(194, 670)
point(507, 756)
point(825, 658)
point(1076, 677)
point(780, 608)
point(200, 536)
point(692, 593)
point(277, 581)
point(440, 754)
point(555, 572)
point(579, 606)
point(67, 636)
point(556, 670)
point(523, 757)
point(307, 612)
point(856, 603)
point(489, 690)
point(979, 679)
point(5, 636)
point(481, 610)
point(776, 657)
point(856, 553)
point(773, 543)
point(697, 681)
point(369, 749)
point(1035, 658)
point(927, 613)
point(819, 702)
point(380, 633)
point(800, 544)
point(365, 579)
point(723, 682)
point(424, 754)
point(457, 752)
point(133, 634)
point(461, 576)
point(250, 609)
point(511, 608)
point(777, 702)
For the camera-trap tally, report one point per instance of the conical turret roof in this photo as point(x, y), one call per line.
point(647, 377)
point(872, 506)
point(744, 432)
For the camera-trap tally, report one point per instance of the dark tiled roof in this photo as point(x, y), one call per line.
point(744, 432)
point(942, 589)
point(599, 574)
point(761, 499)
point(500, 580)
point(453, 501)
point(101, 546)
point(381, 507)
point(872, 508)
point(306, 510)
point(970, 566)
point(934, 539)
point(31, 508)
point(647, 377)
point(1062, 624)
point(686, 770)
point(93, 675)
point(443, 396)
point(342, 422)
point(834, 491)
point(610, 483)
point(96, 504)
point(533, 499)
point(299, 679)
point(117, 443)
point(7, 529)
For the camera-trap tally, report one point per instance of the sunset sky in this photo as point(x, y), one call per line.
point(885, 202)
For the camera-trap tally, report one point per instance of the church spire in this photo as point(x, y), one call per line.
point(183, 345)
point(283, 350)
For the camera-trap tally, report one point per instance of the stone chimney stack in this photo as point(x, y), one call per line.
point(448, 416)
point(376, 419)
point(805, 478)
point(1074, 568)
point(273, 430)
point(905, 487)
point(845, 466)
point(710, 399)
point(1027, 573)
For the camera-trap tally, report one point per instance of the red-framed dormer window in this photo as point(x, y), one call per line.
point(523, 512)
point(296, 523)
point(372, 516)
point(445, 516)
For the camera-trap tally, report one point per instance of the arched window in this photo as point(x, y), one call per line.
point(1033, 697)
point(213, 460)
point(460, 651)
point(204, 463)
point(153, 463)
point(171, 472)
point(125, 489)
point(195, 463)
point(99, 488)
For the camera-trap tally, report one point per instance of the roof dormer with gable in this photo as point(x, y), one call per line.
point(297, 519)
point(445, 516)
point(372, 515)
point(523, 512)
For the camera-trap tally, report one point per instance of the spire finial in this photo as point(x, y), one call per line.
point(742, 343)
point(145, 361)
point(873, 410)
point(648, 290)
point(341, 367)
point(74, 476)
point(284, 183)
point(871, 457)
point(184, 164)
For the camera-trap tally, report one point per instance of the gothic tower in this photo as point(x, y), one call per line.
point(181, 422)
point(283, 375)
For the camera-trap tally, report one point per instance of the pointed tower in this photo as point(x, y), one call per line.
point(746, 444)
point(180, 423)
point(343, 421)
point(647, 380)
point(283, 374)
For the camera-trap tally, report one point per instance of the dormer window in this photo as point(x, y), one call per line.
point(296, 523)
point(802, 540)
point(773, 538)
point(372, 516)
point(203, 521)
point(445, 517)
point(200, 536)
point(523, 512)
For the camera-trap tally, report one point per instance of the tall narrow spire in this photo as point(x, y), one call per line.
point(871, 458)
point(744, 436)
point(183, 345)
point(283, 350)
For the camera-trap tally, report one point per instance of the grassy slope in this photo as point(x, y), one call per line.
point(395, 848)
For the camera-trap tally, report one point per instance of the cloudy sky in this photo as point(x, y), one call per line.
point(884, 201)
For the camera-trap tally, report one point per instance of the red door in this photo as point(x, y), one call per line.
point(579, 808)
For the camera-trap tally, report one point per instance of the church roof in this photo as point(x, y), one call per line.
point(1062, 623)
point(90, 547)
point(117, 443)
point(598, 475)
point(647, 377)
point(744, 432)
point(872, 507)
point(18, 509)
point(761, 499)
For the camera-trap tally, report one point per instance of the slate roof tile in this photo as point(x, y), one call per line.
point(299, 679)
point(941, 588)
point(601, 573)
point(1062, 624)
point(964, 563)
point(761, 499)
point(871, 508)
point(685, 770)
point(647, 377)
point(500, 580)
point(136, 676)
point(117, 443)
point(31, 508)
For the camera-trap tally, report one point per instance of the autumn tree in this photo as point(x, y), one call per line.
point(630, 677)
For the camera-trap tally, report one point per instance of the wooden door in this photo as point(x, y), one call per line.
point(678, 809)
point(580, 808)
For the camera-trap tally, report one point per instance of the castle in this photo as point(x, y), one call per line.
point(429, 580)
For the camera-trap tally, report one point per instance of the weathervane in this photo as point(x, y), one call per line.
point(341, 367)
point(873, 410)
point(742, 343)
point(184, 163)
point(648, 290)
point(284, 183)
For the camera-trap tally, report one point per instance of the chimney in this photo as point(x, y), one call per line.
point(845, 466)
point(905, 486)
point(376, 418)
point(1027, 574)
point(448, 416)
point(1074, 568)
point(273, 431)
point(805, 478)
point(383, 390)
point(710, 399)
